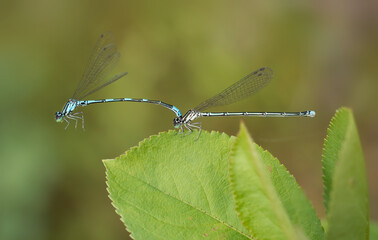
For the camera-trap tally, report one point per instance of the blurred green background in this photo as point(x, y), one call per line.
point(52, 181)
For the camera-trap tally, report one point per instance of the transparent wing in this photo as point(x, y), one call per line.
point(104, 58)
point(105, 39)
point(243, 88)
point(111, 80)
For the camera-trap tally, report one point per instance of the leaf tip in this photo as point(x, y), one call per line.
point(107, 163)
point(243, 131)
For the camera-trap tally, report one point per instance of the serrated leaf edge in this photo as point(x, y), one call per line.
point(231, 181)
point(331, 128)
point(136, 148)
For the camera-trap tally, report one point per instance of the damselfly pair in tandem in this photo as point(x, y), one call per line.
point(104, 58)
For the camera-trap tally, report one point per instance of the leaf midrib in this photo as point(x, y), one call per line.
point(177, 199)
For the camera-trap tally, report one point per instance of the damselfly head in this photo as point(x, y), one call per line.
point(177, 122)
point(58, 116)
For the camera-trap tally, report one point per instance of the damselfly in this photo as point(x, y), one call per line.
point(245, 87)
point(103, 59)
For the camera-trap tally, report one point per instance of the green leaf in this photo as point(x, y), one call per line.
point(345, 184)
point(269, 202)
point(174, 187)
point(373, 231)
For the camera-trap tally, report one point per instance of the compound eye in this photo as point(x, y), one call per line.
point(176, 122)
point(58, 116)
